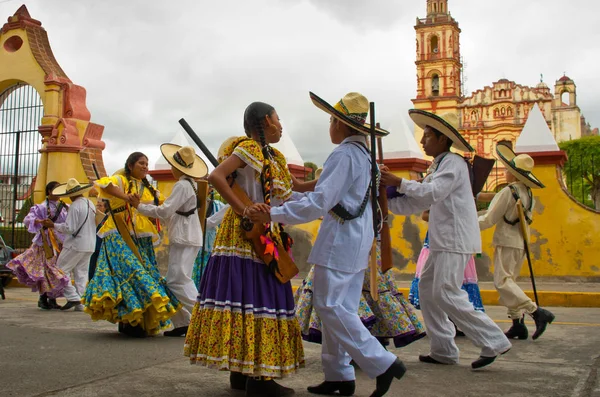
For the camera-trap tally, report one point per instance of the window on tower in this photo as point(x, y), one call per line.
point(435, 85)
point(434, 44)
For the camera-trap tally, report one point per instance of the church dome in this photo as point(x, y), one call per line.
point(565, 78)
point(542, 86)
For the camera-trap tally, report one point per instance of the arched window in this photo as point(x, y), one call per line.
point(565, 98)
point(435, 85)
point(435, 7)
point(496, 113)
point(509, 111)
point(434, 44)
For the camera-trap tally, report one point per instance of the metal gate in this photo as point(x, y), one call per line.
point(21, 112)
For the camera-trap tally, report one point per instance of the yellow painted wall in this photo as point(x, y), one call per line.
point(563, 236)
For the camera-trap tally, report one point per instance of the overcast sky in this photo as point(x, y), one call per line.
point(145, 63)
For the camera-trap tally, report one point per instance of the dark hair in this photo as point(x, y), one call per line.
point(130, 162)
point(50, 187)
point(438, 134)
point(254, 116)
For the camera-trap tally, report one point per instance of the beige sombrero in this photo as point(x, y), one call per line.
point(521, 166)
point(224, 146)
point(351, 110)
point(185, 159)
point(446, 123)
point(71, 188)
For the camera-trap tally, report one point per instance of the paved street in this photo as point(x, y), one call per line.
point(66, 354)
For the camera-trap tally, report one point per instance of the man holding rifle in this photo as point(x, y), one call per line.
point(510, 242)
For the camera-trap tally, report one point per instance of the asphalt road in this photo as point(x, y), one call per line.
point(66, 354)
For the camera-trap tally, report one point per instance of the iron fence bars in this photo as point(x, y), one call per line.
point(21, 112)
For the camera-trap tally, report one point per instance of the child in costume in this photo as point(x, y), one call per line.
point(453, 236)
point(127, 287)
point(509, 251)
point(244, 320)
point(185, 234)
point(36, 267)
point(79, 230)
point(341, 251)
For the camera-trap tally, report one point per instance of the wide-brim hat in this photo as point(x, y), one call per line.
point(521, 166)
point(447, 124)
point(351, 110)
point(71, 188)
point(185, 159)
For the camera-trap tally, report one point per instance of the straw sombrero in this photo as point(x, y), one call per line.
point(351, 110)
point(521, 166)
point(447, 124)
point(185, 159)
point(224, 146)
point(71, 188)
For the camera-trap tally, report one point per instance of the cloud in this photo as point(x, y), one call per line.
point(147, 64)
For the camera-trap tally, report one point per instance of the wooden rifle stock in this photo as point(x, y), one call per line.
point(386, 239)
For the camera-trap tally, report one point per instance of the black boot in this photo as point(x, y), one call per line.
point(457, 332)
point(542, 318)
point(53, 305)
point(345, 388)
point(518, 329)
point(179, 331)
point(396, 370)
point(134, 332)
point(43, 302)
point(266, 388)
point(237, 380)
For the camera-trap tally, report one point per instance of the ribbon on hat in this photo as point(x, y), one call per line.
point(179, 160)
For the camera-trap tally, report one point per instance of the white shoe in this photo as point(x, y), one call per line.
point(79, 308)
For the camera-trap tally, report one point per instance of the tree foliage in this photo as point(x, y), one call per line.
point(313, 167)
point(582, 169)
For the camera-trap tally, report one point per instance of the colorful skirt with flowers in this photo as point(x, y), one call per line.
point(125, 290)
point(469, 282)
point(33, 270)
point(244, 320)
point(390, 317)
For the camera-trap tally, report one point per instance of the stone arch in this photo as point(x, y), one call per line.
point(71, 142)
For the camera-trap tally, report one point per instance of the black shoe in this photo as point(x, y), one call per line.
point(429, 360)
point(134, 332)
point(179, 331)
point(237, 380)
point(345, 388)
point(396, 370)
point(518, 330)
point(542, 318)
point(457, 332)
point(483, 361)
point(266, 388)
point(43, 302)
point(70, 304)
point(53, 305)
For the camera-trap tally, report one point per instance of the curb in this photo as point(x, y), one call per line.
point(547, 298)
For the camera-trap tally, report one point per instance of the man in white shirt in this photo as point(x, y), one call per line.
point(340, 253)
point(80, 239)
point(509, 249)
point(453, 238)
point(180, 212)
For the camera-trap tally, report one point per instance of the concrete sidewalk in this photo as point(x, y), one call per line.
point(66, 354)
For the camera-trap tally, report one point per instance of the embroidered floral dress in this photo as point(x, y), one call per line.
point(244, 319)
point(125, 288)
point(391, 316)
point(32, 268)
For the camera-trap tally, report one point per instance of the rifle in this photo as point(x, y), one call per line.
point(284, 268)
point(523, 224)
point(385, 237)
point(373, 265)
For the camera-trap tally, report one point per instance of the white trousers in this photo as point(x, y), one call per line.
point(442, 297)
point(179, 281)
point(507, 266)
point(75, 264)
point(336, 296)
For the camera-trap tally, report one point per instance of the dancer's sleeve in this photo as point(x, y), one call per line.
point(334, 183)
point(498, 207)
point(168, 208)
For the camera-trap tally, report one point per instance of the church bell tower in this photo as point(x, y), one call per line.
point(438, 57)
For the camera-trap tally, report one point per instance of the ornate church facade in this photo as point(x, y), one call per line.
point(495, 113)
